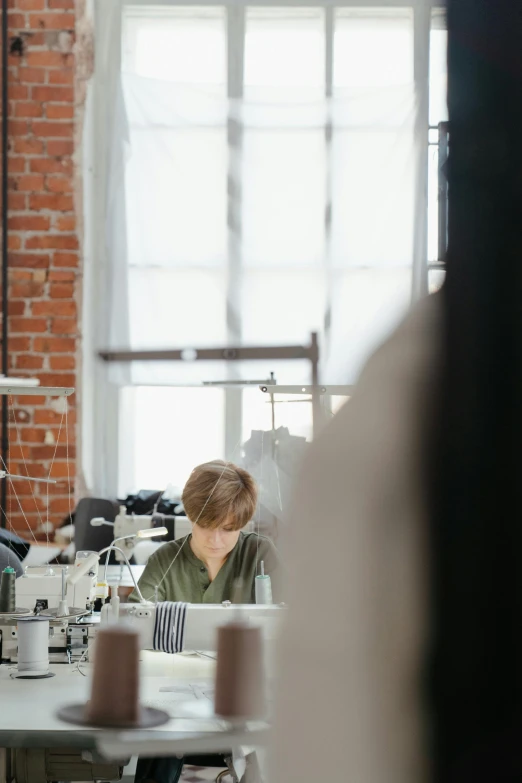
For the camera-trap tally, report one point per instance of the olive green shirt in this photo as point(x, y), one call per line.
point(186, 578)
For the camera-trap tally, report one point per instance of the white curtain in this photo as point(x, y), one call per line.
point(282, 227)
point(265, 179)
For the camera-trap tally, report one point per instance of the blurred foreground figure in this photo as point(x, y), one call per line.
point(349, 700)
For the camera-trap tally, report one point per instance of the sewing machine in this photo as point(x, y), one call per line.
point(202, 621)
point(41, 590)
point(126, 527)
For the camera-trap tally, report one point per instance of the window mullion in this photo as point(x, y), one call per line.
point(328, 135)
point(235, 71)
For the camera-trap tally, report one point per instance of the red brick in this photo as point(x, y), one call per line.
point(52, 21)
point(33, 402)
point(19, 344)
point(51, 166)
point(27, 289)
point(30, 183)
point(17, 202)
point(32, 435)
point(48, 59)
point(16, 307)
point(63, 505)
point(59, 184)
point(53, 130)
point(29, 325)
point(29, 5)
point(29, 260)
point(62, 291)
point(62, 362)
point(63, 326)
point(52, 242)
point(61, 470)
point(32, 75)
point(29, 223)
point(22, 488)
point(64, 76)
point(28, 146)
point(18, 127)
point(28, 361)
point(47, 416)
point(61, 4)
point(16, 165)
point(65, 260)
point(14, 242)
point(57, 379)
point(62, 277)
point(66, 223)
point(18, 92)
point(60, 111)
point(55, 307)
point(16, 21)
point(52, 93)
point(18, 274)
point(28, 109)
point(54, 201)
point(57, 147)
point(54, 344)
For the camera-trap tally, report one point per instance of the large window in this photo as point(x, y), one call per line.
point(268, 179)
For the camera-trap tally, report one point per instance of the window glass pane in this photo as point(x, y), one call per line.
point(186, 45)
point(176, 196)
point(366, 305)
point(172, 430)
point(283, 147)
point(283, 197)
point(373, 166)
point(373, 48)
point(284, 48)
point(438, 70)
point(282, 306)
point(373, 198)
point(433, 203)
point(435, 279)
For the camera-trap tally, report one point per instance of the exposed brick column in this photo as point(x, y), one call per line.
point(44, 258)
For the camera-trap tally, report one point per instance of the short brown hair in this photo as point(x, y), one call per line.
point(219, 492)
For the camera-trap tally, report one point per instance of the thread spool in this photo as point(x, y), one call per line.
point(115, 682)
point(33, 647)
point(115, 686)
point(7, 590)
point(263, 587)
point(239, 686)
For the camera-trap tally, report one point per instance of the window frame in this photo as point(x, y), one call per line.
point(106, 403)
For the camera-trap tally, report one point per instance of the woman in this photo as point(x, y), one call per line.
point(220, 500)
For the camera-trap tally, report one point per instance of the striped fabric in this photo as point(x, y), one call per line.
point(169, 626)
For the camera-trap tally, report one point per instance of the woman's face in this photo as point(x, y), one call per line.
point(216, 543)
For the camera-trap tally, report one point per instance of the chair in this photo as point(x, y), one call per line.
point(94, 538)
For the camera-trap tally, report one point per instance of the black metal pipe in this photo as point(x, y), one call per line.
point(5, 259)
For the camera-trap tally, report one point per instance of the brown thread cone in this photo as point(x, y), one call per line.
point(7, 590)
point(115, 681)
point(240, 688)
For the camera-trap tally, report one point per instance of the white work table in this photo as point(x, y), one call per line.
point(28, 715)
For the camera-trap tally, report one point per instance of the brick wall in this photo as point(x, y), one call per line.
point(44, 257)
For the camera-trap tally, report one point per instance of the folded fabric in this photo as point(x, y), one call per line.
point(169, 626)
